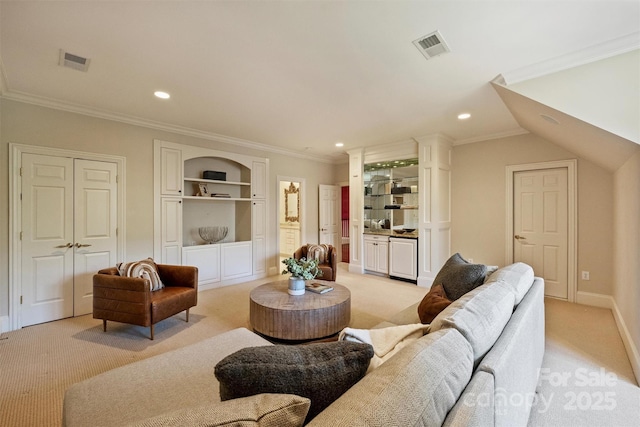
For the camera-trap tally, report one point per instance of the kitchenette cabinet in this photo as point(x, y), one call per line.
point(403, 258)
point(376, 253)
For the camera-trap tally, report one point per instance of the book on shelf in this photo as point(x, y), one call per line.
point(318, 288)
point(220, 195)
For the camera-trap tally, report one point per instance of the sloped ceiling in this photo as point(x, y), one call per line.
point(599, 146)
point(294, 75)
point(592, 110)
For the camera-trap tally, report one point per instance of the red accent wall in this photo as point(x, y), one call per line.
point(345, 203)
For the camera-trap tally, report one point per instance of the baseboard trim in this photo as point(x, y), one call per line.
point(627, 339)
point(4, 324)
point(607, 301)
point(595, 300)
point(425, 282)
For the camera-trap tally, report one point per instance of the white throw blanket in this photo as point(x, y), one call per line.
point(385, 341)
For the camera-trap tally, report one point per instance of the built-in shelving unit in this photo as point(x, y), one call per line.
point(211, 184)
point(184, 203)
point(391, 195)
point(432, 218)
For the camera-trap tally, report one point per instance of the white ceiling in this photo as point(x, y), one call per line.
point(296, 75)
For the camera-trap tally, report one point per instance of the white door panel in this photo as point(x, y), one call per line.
point(541, 226)
point(172, 232)
point(47, 237)
point(95, 227)
point(259, 230)
point(69, 233)
point(329, 218)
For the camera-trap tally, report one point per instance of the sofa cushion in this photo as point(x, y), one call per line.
point(432, 304)
point(144, 269)
point(480, 316)
point(457, 276)
point(416, 387)
point(519, 276)
point(320, 372)
point(264, 410)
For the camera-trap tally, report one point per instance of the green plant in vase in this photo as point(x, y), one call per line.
point(301, 269)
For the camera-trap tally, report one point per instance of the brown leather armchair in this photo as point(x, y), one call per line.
point(329, 269)
point(129, 300)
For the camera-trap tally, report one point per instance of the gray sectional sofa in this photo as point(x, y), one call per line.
point(477, 366)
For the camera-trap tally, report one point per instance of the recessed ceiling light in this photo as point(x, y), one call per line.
point(550, 119)
point(162, 95)
point(464, 116)
point(339, 144)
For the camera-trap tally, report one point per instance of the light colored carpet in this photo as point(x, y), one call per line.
point(38, 363)
point(586, 377)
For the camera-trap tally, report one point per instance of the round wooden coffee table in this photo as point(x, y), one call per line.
point(276, 314)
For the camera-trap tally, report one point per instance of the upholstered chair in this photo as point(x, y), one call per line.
point(327, 256)
point(131, 300)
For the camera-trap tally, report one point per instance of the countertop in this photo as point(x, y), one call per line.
point(391, 233)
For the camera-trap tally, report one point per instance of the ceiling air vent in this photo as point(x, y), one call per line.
point(432, 45)
point(76, 62)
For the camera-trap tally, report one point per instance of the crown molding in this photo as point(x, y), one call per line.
point(152, 124)
point(505, 134)
point(590, 54)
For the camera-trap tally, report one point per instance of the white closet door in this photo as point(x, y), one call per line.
point(540, 226)
point(329, 219)
point(69, 227)
point(47, 239)
point(95, 227)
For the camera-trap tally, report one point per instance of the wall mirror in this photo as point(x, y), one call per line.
point(292, 203)
point(291, 216)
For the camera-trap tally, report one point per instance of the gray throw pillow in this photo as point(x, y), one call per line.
point(457, 276)
point(321, 372)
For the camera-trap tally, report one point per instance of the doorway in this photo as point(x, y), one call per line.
point(329, 216)
point(291, 218)
point(67, 213)
point(541, 223)
point(344, 217)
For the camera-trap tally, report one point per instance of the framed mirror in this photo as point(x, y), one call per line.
point(291, 204)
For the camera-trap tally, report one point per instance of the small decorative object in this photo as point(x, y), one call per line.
point(213, 234)
point(301, 270)
point(318, 288)
point(214, 175)
point(204, 191)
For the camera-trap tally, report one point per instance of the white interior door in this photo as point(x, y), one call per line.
point(47, 238)
point(95, 204)
point(69, 232)
point(541, 226)
point(329, 219)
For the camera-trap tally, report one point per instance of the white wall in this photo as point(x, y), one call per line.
point(33, 125)
point(603, 93)
point(626, 261)
point(479, 210)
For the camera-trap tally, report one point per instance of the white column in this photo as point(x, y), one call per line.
point(434, 152)
point(356, 209)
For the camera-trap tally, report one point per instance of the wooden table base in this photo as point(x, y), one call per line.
point(274, 313)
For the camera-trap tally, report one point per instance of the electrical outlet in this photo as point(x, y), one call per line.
point(585, 275)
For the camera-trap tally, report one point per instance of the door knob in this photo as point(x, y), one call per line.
point(78, 245)
point(68, 245)
point(520, 237)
